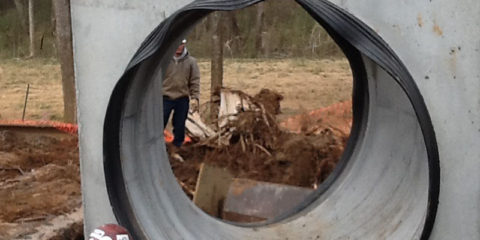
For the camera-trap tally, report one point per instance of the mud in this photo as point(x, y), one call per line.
point(259, 149)
point(270, 100)
point(39, 179)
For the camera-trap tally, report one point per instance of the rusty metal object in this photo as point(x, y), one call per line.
point(261, 200)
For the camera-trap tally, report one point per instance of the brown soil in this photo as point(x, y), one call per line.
point(260, 150)
point(39, 179)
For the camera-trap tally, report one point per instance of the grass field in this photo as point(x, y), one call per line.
point(306, 84)
point(45, 95)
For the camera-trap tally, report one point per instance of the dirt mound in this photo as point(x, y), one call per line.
point(270, 100)
point(39, 179)
point(259, 149)
point(337, 117)
point(287, 158)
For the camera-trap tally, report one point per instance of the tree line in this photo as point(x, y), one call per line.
point(272, 29)
point(27, 28)
point(41, 28)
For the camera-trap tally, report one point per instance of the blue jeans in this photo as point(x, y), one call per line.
point(180, 112)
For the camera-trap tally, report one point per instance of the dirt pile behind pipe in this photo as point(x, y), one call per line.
point(39, 180)
point(260, 150)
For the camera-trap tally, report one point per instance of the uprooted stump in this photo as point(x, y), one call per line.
point(252, 145)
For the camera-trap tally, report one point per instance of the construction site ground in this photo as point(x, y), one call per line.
point(39, 170)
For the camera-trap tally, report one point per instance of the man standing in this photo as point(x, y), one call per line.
point(180, 86)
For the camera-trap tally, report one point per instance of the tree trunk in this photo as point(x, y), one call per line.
point(217, 61)
point(21, 15)
point(65, 55)
point(259, 28)
point(31, 24)
point(210, 22)
point(234, 38)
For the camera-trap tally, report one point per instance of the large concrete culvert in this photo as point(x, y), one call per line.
point(410, 92)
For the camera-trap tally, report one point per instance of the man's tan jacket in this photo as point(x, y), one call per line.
point(182, 79)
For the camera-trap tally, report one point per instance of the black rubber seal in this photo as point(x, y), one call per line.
point(373, 46)
point(354, 37)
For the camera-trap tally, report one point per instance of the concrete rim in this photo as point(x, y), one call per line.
point(134, 142)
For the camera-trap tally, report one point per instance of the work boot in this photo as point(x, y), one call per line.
point(174, 152)
point(172, 148)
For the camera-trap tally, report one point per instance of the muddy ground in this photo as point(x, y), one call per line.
point(301, 151)
point(293, 159)
point(39, 180)
point(40, 177)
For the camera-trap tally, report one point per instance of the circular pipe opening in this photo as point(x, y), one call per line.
point(274, 157)
point(387, 188)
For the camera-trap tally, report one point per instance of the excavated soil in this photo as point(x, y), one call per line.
point(292, 159)
point(39, 179)
point(301, 151)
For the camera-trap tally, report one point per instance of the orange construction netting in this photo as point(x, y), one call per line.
point(66, 127)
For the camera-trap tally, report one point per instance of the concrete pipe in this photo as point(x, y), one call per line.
point(410, 170)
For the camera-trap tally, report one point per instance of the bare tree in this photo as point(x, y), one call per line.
point(259, 28)
point(31, 29)
point(232, 37)
point(20, 6)
point(217, 59)
point(65, 55)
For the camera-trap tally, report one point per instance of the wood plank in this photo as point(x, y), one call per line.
point(212, 187)
point(197, 128)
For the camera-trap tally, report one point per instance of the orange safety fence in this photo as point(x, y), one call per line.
point(66, 127)
point(338, 115)
point(61, 126)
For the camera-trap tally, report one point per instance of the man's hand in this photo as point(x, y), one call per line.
point(194, 105)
